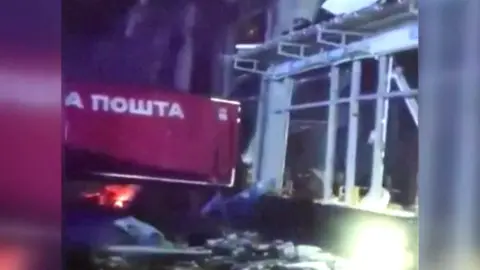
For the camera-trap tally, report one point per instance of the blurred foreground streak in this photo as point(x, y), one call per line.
point(30, 194)
point(449, 171)
point(29, 246)
point(30, 121)
point(13, 258)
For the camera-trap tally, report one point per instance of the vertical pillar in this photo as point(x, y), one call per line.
point(184, 67)
point(222, 75)
point(332, 126)
point(272, 132)
point(386, 108)
point(449, 134)
point(354, 110)
point(226, 64)
point(376, 185)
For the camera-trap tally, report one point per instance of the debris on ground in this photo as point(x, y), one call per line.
point(236, 251)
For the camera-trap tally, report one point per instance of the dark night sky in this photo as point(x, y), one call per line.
point(90, 24)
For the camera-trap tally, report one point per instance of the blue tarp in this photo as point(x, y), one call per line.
point(239, 207)
point(97, 228)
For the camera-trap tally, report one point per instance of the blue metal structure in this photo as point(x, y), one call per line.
point(378, 32)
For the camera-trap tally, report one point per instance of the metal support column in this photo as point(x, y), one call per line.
point(376, 186)
point(449, 135)
point(184, 67)
point(271, 133)
point(269, 144)
point(229, 48)
point(223, 75)
point(351, 159)
point(386, 108)
point(332, 126)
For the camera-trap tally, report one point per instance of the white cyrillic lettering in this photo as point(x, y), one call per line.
point(140, 107)
point(176, 111)
point(161, 105)
point(99, 102)
point(131, 105)
point(119, 105)
point(73, 99)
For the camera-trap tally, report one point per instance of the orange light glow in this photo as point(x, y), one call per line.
point(117, 196)
point(13, 258)
point(119, 204)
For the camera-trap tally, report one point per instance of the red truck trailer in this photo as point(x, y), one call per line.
point(134, 133)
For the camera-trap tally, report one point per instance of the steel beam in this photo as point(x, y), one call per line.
point(395, 40)
point(386, 110)
point(248, 65)
point(271, 133)
point(270, 140)
point(376, 185)
point(332, 126)
point(350, 21)
point(354, 111)
point(299, 50)
point(407, 94)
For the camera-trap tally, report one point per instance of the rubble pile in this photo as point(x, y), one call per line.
point(239, 251)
